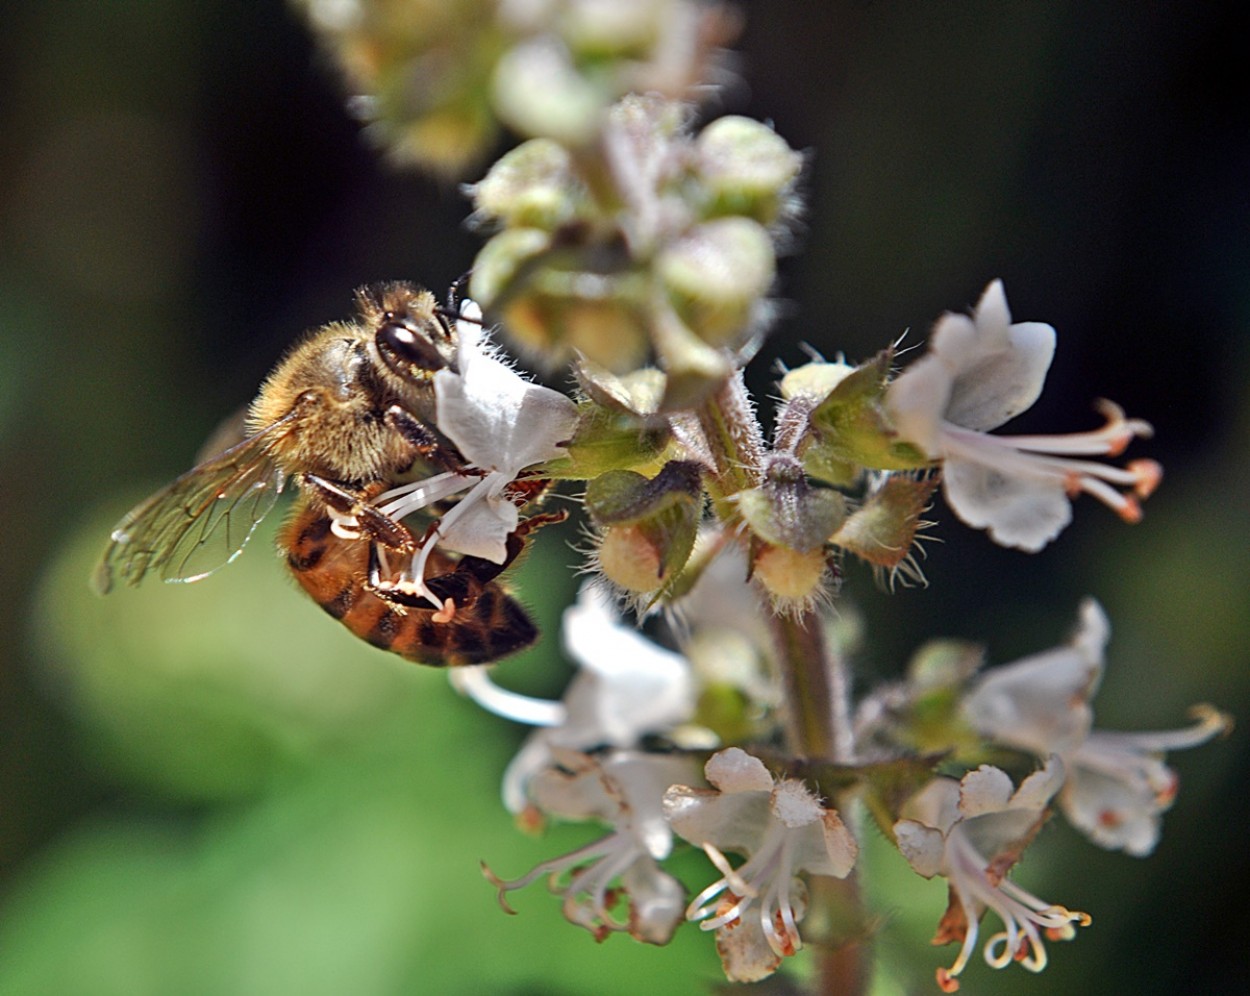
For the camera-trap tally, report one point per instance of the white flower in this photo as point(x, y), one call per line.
point(783, 829)
point(625, 790)
point(1117, 786)
point(502, 424)
point(626, 687)
point(979, 373)
point(972, 832)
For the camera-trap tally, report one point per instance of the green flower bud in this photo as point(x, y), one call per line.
point(533, 186)
point(538, 91)
point(608, 440)
point(637, 393)
point(747, 169)
point(551, 307)
point(716, 277)
point(794, 578)
point(649, 526)
point(787, 511)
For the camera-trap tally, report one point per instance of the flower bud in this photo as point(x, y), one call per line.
point(609, 440)
point(747, 168)
point(538, 91)
point(648, 526)
point(813, 381)
point(550, 307)
point(533, 186)
point(851, 430)
point(791, 576)
point(716, 277)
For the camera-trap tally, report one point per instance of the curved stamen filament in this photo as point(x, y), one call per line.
point(476, 683)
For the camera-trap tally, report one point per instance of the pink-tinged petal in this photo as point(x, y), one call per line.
point(841, 848)
point(825, 847)
point(737, 821)
point(1113, 813)
point(745, 954)
point(657, 902)
point(936, 805)
point(1036, 791)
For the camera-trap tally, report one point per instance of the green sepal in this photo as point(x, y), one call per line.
point(883, 529)
point(607, 441)
point(665, 508)
point(851, 428)
point(787, 511)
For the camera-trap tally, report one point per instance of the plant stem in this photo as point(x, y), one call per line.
point(817, 688)
point(816, 684)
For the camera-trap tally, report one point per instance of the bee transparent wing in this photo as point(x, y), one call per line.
point(202, 520)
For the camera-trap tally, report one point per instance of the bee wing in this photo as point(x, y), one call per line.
point(202, 520)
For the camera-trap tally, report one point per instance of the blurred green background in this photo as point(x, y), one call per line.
point(215, 789)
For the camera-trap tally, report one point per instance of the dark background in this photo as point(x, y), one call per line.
point(213, 789)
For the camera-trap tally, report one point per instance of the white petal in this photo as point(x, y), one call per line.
point(986, 790)
point(628, 686)
point(734, 770)
point(999, 385)
point(1022, 512)
point(794, 805)
point(917, 402)
point(479, 526)
point(496, 418)
point(1041, 703)
point(922, 846)
point(997, 368)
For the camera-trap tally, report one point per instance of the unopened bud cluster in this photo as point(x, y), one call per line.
point(655, 241)
point(436, 79)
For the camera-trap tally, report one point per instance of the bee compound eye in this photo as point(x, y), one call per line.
point(400, 343)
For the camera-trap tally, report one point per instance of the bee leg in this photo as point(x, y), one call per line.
point(430, 446)
point(359, 513)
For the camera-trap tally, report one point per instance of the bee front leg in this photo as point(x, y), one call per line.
point(427, 442)
point(354, 513)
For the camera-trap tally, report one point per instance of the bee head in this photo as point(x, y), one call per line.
point(412, 336)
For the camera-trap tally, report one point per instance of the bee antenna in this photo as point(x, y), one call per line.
point(455, 291)
point(450, 316)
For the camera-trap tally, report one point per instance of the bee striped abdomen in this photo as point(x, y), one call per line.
point(487, 623)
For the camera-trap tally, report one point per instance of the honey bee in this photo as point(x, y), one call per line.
point(347, 414)
point(350, 406)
